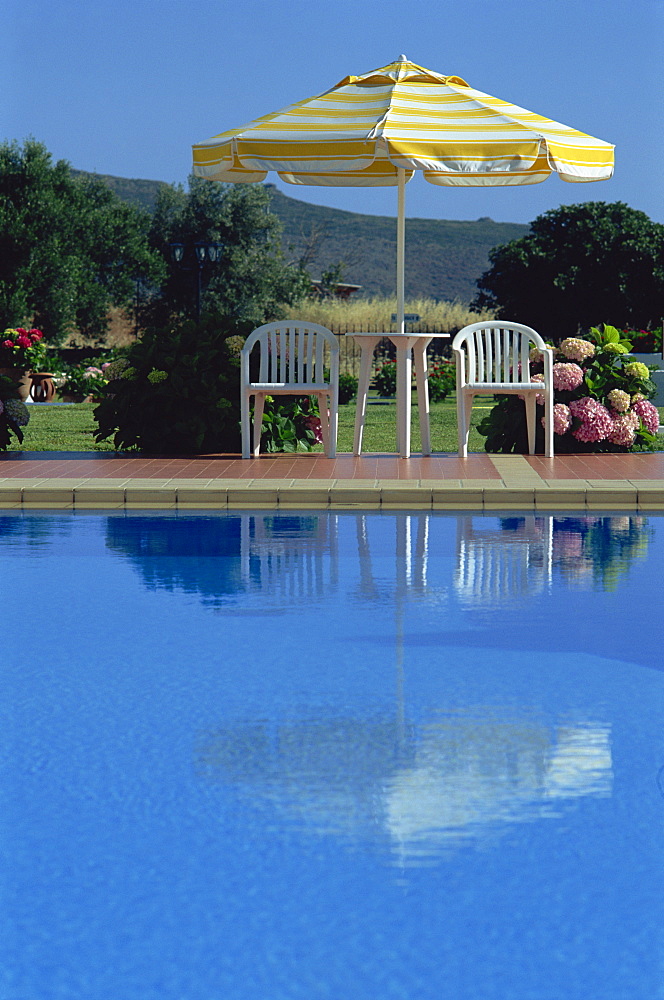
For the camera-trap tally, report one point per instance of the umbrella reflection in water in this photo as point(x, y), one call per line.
point(416, 779)
point(424, 787)
point(418, 786)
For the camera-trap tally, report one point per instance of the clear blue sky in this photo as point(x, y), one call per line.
point(126, 87)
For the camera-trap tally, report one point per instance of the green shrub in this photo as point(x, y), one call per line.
point(13, 413)
point(442, 379)
point(645, 341)
point(176, 391)
point(347, 388)
point(82, 381)
point(290, 424)
point(385, 378)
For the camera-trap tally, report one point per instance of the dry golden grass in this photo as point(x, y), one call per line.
point(358, 314)
point(120, 332)
point(375, 313)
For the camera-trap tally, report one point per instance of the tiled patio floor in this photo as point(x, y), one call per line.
point(103, 465)
point(103, 479)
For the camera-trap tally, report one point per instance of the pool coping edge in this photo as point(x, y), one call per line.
point(334, 494)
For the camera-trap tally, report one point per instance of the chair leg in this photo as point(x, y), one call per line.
point(464, 409)
point(468, 416)
point(259, 406)
point(245, 423)
point(323, 413)
point(548, 425)
point(531, 405)
point(334, 423)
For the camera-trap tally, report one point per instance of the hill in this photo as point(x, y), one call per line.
point(444, 258)
point(142, 194)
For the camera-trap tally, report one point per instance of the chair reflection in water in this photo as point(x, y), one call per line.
point(294, 557)
point(499, 565)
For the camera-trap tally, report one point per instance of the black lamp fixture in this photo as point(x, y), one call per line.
point(204, 252)
point(207, 252)
point(177, 252)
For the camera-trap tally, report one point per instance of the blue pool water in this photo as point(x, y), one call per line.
point(370, 756)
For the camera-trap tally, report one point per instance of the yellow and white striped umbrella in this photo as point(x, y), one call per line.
point(379, 128)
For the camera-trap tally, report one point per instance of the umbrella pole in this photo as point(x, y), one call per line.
point(401, 248)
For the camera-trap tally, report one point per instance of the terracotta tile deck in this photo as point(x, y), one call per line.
point(91, 480)
point(637, 466)
point(103, 465)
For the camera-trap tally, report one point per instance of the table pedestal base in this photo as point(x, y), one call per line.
point(410, 348)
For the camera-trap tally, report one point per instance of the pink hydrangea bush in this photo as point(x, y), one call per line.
point(601, 399)
point(608, 404)
point(594, 420)
point(562, 418)
point(539, 397)
point(623, 432)
point(648, 413)
point(576, 349)
point(567, 377)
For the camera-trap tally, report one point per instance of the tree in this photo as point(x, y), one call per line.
point(252, 279)
point(69, 247)
point(578, 267)
point(177, 390)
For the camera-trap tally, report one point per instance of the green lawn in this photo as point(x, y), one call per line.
point(380, 427)
point(60, 428)
point(71, 428)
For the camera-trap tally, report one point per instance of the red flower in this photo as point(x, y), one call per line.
point(24, 341)
point(8, 343)
point(35, 335)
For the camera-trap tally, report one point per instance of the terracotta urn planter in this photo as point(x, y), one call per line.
point(42, 389)
point(22, 378)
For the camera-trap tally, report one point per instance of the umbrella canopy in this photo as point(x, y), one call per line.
point(379, 128)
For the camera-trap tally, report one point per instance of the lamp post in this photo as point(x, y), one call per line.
point(138, 278)
point(203, 252)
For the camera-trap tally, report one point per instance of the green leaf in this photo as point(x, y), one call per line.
point(610, 335)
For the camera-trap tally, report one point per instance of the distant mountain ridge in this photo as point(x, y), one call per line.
point(141, 193)
point(444, 258)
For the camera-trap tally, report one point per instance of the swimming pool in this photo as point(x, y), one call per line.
point(254, 755)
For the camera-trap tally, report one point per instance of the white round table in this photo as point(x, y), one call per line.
point(410, 347)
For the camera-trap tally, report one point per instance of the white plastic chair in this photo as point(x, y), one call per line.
point(292, 362)
point(492, 358)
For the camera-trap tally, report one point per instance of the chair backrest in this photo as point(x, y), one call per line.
point(493, 352)
point(292, 352)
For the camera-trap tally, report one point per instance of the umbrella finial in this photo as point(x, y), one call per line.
point(402, 58)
